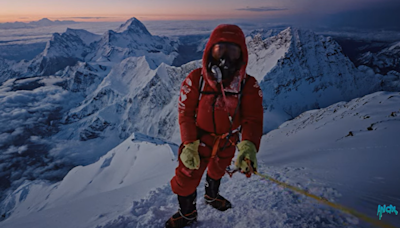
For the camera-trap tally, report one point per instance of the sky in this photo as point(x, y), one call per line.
point(121, 10)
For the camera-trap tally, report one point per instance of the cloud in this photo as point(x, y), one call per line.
point(262, 9)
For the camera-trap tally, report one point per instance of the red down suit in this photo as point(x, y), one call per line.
point(205, 116)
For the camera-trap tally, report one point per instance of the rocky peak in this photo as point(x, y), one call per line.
point(133, 25)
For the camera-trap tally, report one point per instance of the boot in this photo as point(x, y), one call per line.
point(186, 215)
point(212, 196)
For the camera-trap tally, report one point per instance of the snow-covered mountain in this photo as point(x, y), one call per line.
point(128, 187)
point(82, 113)
point(61, 50)
point(265, 33)
point(299, 70)
point(131, 98)
point(310, 70)
point(264, 53)
point(64, 50)
point(132, 40)
point(383, 61)
point(190, 48)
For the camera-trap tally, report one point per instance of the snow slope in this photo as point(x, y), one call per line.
point(265, 53)
point(311, 152)
point(125, 174)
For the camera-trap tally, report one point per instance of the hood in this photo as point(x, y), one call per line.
point(225, 33)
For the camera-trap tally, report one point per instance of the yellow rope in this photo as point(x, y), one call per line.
point(353, 212)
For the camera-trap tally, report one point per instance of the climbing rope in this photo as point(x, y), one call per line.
point(323, 200)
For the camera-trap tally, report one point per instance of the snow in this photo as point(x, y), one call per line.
point(132, 39)
point(134, 25)
point(85, 36)
point(311, 152)
point(100, 189)
point(309, 71)
point(264, 55)
point(362, 167)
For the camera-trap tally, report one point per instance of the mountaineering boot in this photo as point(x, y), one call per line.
point(212, 196)
point(187, 213)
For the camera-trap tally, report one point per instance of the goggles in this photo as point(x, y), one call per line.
point(232, 51)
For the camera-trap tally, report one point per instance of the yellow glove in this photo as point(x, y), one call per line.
point(190, 155)
point(247, 150)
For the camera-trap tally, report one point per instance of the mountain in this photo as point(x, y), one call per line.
point(133, 25)
point(380, 55)
point(64, 50)
point(190, 48)
point(53, 123)
point(47, 22)
point(384, 61)
point(34, 24)
point(299, 70)
point(61, 50)
point(314, 152)
point(132, 40)
point(51, 89)
point(131, 98)
point(265, 33)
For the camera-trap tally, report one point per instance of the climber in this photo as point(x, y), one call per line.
point(216, 103)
